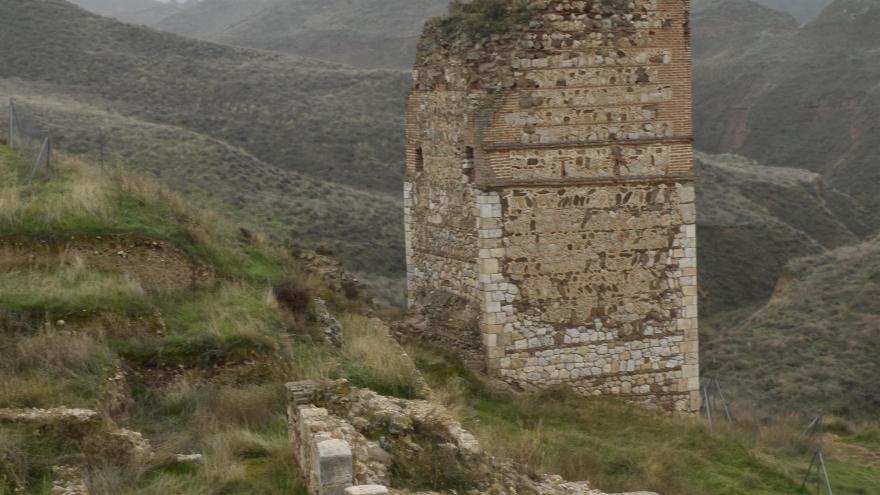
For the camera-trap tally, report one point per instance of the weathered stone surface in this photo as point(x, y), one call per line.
point(49, 416)
point(367, 490)
point(334, 466)
point(550, 190)
point(68, 480)
point(330, 326)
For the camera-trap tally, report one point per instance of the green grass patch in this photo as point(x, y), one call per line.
point(52, 368)
point(84, 201)
point(616, 446)
point(69, 289)
point(233, 322)
point(870, 438)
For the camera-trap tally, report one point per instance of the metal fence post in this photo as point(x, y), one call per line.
point(11, 124)
point(723, 401)
point(825, 471)
point(708, 405)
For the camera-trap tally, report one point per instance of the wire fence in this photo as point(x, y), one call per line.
point(717, 410)
point(31, 143)
point(29, 132)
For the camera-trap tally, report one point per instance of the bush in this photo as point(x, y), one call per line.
point(484, 17)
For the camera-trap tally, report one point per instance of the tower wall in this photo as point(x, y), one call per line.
point(575, 231)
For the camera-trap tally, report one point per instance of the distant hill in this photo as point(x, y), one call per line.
point(806, 98)
point(361, 33)
point(802, 10)
point(789, 294)
point(292, 124)
point(754, 219)
point(814, 345)
point(722, 25)
point(131, 11)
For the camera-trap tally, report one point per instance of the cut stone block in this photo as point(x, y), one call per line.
point(334, 468)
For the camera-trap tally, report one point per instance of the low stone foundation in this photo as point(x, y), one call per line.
point(356, 442)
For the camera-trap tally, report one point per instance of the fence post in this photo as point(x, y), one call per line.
point(38, 160)
point(723, 401)
point(708, 405)
point(11, 124)
point(754, 425)
point(809, 470)
point(49, 170)
point(825, 470)
point(101, 143)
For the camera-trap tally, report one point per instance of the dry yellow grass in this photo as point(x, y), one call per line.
point(81, 190)
point(69, 287)
point(374, 360)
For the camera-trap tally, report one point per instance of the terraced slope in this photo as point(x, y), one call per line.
point(134, 328)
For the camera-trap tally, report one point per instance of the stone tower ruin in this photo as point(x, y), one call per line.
point(550, 193)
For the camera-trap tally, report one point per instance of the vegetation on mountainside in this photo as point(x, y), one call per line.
point(204, 367)
point(267, 137)
point(289, 206)
point(814, 344)
point(746, 208)
point(133, 11)
point(618, 447)
point(805, 98)
point(360, 33)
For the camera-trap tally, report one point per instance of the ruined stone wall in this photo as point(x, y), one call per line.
point(439, 198)
point(580, 124)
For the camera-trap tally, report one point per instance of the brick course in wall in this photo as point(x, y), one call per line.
point(549, 186)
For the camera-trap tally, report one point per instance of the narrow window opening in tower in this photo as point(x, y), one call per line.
point(420, 160)
point(468, 165)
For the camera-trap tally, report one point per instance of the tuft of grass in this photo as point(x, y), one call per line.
point(52, 368)
point(373, 360)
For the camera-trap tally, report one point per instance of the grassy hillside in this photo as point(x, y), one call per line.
point(291, 207)
point(814, 344)
point(806, 98)
point(309, 151)
point(324, 120)
point(620, 448)
point(196, 366)
point(754, 219)
point(361, 33)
